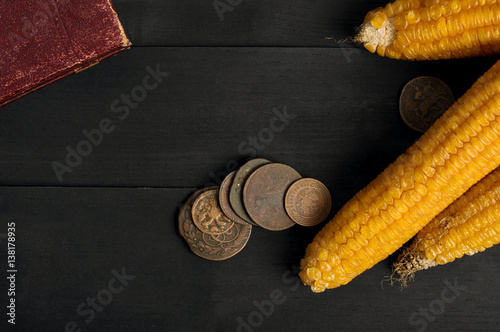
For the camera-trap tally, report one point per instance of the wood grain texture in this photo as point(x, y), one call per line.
point(118, 207)
point(194, 122)
point(70, 239)
point(288, 23)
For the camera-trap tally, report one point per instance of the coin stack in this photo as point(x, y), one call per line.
point(216, 222)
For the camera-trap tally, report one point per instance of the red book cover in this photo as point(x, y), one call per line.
point(42, 41)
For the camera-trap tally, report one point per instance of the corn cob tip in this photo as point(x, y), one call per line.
point(311, 276)
point(372, 37)
point(409, 262)
point(469, 225)
point(458, 151)
point(432, 29)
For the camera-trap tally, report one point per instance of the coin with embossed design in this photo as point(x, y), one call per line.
point(229, 236)
point(264, 196)
point(308, 202)
point(211, 247)
point(207, 214)
point(423, 100)
point(225, 205)
point(186, 208)
point(236, 192)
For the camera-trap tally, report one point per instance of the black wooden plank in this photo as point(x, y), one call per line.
point(346, 129)
point(193, 123)
point(68, 240)
point(250, 23)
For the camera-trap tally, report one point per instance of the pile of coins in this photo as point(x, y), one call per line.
point(216, 222)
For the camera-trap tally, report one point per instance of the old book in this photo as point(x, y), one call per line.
point(42, 41)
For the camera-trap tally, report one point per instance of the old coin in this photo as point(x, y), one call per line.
point(186, 208)
point(423, 100)
point(308, 202)
point(225, 205)
point(236, 193)
point(264, 196)
point(207, 214)
point(211, 247)
point(229, 236)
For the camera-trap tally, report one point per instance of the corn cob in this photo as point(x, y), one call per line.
point(433, 29)
point(469, 225)
point(462, 147)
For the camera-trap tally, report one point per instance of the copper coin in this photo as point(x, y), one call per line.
point(229, 236)
point(186, 208)
point(308, 202)
point(236, 193)
point(423, 100)
point(264, 196)
point(207, 214)
point(225, 205)
point(211, 247)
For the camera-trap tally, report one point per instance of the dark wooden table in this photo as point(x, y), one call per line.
point(104, 226)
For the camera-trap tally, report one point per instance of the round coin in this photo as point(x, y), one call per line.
point(264, 196)
point(186, 208)
point(211, 247)
point(236, 192)
point(308, 202)
point(423, 100)
point(225, 205)
point(207, 214)
point(229, 236)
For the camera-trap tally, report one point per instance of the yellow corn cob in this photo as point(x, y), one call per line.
point(462, 147)
point(433, 29)
point(469, 225)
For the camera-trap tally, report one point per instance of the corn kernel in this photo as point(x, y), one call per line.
point(379, 20)
point(313, 273)
point(435, 12)
point(459, 150)
point(388, 10)
point(381, 50)
point(371, 13)
point(398, 7)
point(441, 27)
point(322, 254)
point(455, 6)
point(370, 47)
point(425, 14)
point(413, 16)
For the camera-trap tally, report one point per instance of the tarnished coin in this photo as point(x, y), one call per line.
point(225, 205)
point(308, 202)
point(186, 208)
point(207, 214)
point(264, 196)
point(236, 193)
point(229, 236)
point(211, 247)
point(423, 100)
